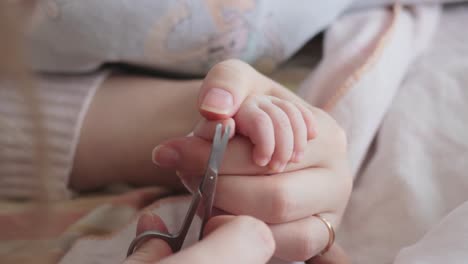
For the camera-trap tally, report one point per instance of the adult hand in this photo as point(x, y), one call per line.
point(289, 201)
point(236, 240)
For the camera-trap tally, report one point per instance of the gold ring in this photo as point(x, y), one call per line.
point(331, 234)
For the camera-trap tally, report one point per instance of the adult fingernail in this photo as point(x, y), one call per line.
point(164, 156)
point(218, 101)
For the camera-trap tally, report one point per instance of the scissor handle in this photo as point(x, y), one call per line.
point(174, 242)
point(205, 191)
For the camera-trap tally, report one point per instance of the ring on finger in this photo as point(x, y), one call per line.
point(331, 234)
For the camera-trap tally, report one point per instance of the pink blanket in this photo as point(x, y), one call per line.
point(395, 79)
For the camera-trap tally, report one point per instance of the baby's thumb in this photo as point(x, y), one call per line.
point(206, 128)
point(225, 87)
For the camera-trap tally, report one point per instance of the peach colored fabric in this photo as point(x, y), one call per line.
point(359, 48)
point(372, 78)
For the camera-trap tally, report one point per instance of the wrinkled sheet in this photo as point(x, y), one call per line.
point(406, 115)
point(401, 96)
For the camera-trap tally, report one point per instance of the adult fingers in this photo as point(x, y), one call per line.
point(336, 255)
point(154, 249)
point(284, 197)
point(241, 240)
point(295, 241)
point(225, 88)
point(302, 239)
point(189, 155)
point(216, 221)
point(299, 240)
point(149, 221)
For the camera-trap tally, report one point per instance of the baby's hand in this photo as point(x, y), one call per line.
point(278, 129)
point(279, 126)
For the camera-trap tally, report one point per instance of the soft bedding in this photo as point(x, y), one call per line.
point(395, 79)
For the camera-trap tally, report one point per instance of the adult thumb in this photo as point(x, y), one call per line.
point(336, 255)
point(226, 86)
point(152, 250)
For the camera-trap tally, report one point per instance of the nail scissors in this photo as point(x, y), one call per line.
point(203, 195)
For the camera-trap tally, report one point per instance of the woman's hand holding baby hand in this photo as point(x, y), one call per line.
point(288, 201)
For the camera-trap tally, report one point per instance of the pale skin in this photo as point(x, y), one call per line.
point(277, 127)
point(131, 114)
point(250, 242)
point(286, 200)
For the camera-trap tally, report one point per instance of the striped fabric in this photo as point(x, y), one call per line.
point(63, 101)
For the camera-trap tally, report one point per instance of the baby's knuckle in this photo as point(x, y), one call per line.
point(261, 121)
point(283, 122)
point(290, 106)
point(296, 113)
point(294, 110)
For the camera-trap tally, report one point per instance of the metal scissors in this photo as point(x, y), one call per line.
point(204, 195)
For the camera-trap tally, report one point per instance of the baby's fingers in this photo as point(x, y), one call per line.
point(284, 138)
point(254, 123)
point(298, 125)
point(309, 120)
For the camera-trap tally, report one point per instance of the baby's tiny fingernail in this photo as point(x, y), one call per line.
point(218, 101)
point(277, 166)
point(262, 162)
point(164, 156)
point(298, 156)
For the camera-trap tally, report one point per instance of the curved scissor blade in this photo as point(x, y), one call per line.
point(216, 157)
point(208, 185)
point(222, 147)
point(212, 162)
